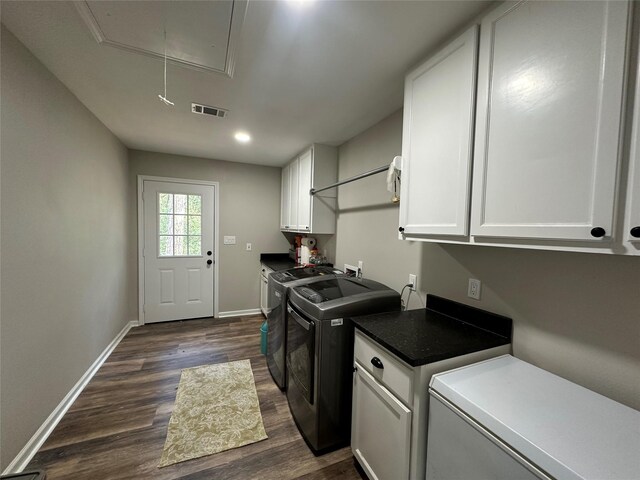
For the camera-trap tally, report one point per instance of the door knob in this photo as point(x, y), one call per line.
point(209, 252)
point(598, 232)
point(209, 262)
point(635, 232)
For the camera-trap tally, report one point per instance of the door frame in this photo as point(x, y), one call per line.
point(216, 222)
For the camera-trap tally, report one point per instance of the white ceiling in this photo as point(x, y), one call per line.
point(306, 72)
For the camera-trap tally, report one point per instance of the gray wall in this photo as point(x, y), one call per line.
point(577, 315)
point(249, 209)
point(63, 245)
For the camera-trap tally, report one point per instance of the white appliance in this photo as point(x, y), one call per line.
point(506, 419)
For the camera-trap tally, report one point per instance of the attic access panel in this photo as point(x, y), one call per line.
point(200, 35)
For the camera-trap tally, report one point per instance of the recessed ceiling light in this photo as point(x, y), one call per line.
point(242, 137)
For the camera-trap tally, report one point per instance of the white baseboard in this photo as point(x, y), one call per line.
point(19, 463)
point(239, 313)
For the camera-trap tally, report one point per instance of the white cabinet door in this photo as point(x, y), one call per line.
point(305, 173)
point(285, 199)
point(632, 217)
point(437, 141)
point(550, 90)
point(293, 195)
point(380, 429)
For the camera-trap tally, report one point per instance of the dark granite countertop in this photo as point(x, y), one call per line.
point(425, 336)
point(277, 261)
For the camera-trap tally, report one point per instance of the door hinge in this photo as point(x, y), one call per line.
point(144, 252)
point(144, 308)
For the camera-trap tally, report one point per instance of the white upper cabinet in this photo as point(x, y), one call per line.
point(304, 185)
point(632, 218)
point(437, 140)
point(285, 200)
point(550, 102)
point(316, 167)
point(293, 194)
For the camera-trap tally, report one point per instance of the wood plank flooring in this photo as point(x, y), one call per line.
point(117, 427)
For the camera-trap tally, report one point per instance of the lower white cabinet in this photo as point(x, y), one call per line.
point(390, 408)
point(380, 429)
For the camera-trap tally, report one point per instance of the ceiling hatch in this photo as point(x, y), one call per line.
point(200, 35)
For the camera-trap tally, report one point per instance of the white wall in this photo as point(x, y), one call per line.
point(249, 209)
point(64, 240)
point(577, 315)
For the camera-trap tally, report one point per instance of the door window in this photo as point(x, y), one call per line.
point(179, 225)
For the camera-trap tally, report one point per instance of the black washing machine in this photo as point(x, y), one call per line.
point(279, 284)
point(320, 353)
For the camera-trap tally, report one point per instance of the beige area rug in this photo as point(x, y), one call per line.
point(216, 409)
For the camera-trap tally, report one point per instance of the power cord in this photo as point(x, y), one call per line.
point(405, 305)
point(411, 289)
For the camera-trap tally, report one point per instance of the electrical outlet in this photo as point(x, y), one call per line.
point(474, 288)
point(413, 281)
point(248, 247)
point(350, 270)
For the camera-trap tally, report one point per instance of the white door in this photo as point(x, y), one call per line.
point(305, 173)
point(380, 429)
point(437, 141)
point(550, 91)
point(178, 250)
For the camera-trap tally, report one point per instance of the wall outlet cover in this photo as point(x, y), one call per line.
point(474, 289)
point(413, 280)
point(350, 270)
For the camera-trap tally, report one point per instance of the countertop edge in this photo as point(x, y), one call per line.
point(418, 362)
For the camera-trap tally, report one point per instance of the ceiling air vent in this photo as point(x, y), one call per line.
point(205, 110)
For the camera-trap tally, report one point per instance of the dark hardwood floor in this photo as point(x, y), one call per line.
point(116, 428)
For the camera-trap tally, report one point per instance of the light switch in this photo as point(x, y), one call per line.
point(229, 240)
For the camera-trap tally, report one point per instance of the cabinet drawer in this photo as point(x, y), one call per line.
point(395, 375)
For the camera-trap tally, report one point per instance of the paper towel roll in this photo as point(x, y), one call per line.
point(305, 255)
point(309, 242)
